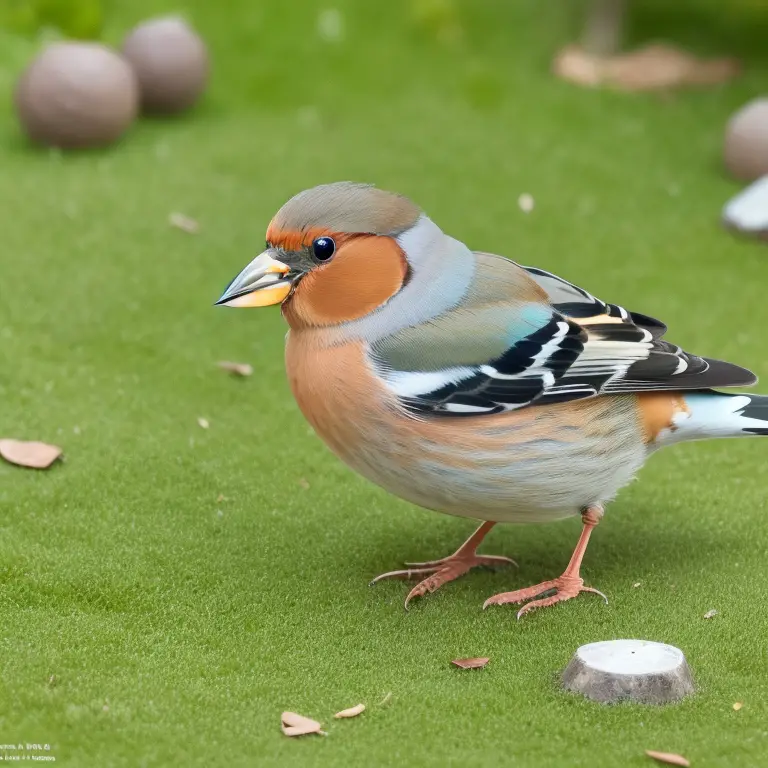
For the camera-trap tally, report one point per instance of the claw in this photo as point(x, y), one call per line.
point(494, 561)
point(439, 572)
point(411, 573)
point(415, 592)
point(595, 592)
point(564, 588)
point(427, 564)
point(521, 595)
point(534, 604)
point(489, 561)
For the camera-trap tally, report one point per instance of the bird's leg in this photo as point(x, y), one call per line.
point(566, 586)
point(439, 572)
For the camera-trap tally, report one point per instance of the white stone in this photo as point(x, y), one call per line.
point(748, 211)
point(635, 670)
point(631, 657)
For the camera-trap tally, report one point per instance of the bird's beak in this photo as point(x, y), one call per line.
point(263, 282)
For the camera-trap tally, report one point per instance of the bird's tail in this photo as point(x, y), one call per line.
point(708, 414)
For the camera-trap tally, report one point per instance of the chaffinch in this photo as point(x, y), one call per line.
point(469, 384)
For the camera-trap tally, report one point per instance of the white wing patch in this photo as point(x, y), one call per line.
point(610, 358)
point(414, 383)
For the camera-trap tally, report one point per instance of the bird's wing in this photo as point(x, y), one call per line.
point(542, 346)
point(582, 306)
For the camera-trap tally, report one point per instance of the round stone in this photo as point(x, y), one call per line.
point(171, 64)
point(745, 149)
point(635, 670)
point(76, 94)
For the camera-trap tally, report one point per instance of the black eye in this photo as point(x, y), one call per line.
point(323, 248)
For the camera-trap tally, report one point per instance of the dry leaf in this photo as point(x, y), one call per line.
point(184, 223)
point(29, 454)
point(654, 67)
point(710, 613)
point(577, 66)
point(239, 369)
point(303, 483)
point(737, 705)
point(386, 699)
point(477, 663)
point(203, 422)
point(298, 725)
point(351, 712)
point(669, 758)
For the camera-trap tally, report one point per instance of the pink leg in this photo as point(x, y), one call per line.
point(447, 569)
point(566, 586)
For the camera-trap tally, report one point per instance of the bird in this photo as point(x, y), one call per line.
point(469, 384)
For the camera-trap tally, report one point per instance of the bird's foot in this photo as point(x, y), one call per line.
point(439, 572)
point(564, 587)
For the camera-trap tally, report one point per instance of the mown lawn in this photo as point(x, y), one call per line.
point(184, 586)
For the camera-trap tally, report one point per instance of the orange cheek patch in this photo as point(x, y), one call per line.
point(657, 412)
point(364, 274)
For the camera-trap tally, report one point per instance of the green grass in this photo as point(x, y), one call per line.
point(177, 625)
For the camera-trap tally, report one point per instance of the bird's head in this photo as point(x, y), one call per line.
point(334, 253)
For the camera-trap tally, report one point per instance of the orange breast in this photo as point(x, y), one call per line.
point(334, 389)
point(529, 465)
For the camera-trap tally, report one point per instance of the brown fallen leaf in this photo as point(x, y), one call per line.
point(577, 66)
point(477, 663)
point(239, 369)
point(654, 67)
point(710, 613)
point(737, 705)
point(298, 725)
point(184, 223)
point(668, 758)
point(29, 453)
point(351, 712)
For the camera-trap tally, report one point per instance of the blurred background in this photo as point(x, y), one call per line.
point(195, 529)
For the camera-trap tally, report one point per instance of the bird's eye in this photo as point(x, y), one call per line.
point(323, 248)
